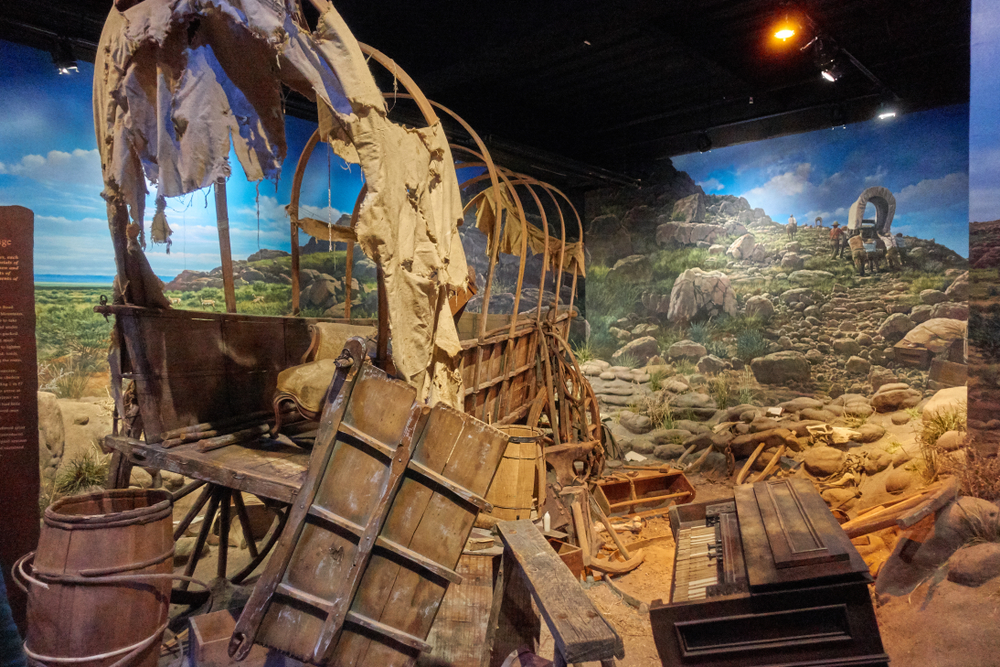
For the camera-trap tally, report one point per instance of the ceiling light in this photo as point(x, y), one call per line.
point(886, 110)
point(63, 58)
point(785, 32)
point(831, 72)
point(704, 143)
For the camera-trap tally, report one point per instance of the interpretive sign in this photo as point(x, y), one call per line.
point(18, 396)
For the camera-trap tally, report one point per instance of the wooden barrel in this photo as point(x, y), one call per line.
point(82, 608)
point(515, 487)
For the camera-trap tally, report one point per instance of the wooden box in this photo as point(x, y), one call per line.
point(644, 493)
point(570, 554)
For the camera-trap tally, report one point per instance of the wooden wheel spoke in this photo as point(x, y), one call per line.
point(244, 517)
point(188, 489)
point(206, 526)
point(269, 541)
point(193, 512)
point(224, 513)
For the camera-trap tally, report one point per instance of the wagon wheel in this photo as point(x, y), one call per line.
point(221, 502)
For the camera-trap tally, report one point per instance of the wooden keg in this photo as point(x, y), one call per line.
point(516, 485)
point(86, 606)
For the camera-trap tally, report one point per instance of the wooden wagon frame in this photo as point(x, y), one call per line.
point(191, 368)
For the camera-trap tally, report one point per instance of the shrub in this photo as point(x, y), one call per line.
point(583, 352)
point(746, 392)
point(656, 380)
point(751, 344)
point(81, 474)
point(701, 332)
point(721, 390)
point(932, 427)
point(627, 360)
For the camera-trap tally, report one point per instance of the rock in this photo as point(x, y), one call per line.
point(641, 349)
point(975, 565)
point(899, 480)
point(140, 478)
point(801, 403)
point(645, 330)
point(839, 497)
point(901, 418)
point(84, 437)
point(949, 441)
point(814, 356)
point(946, 400)
point(51, 434)
point(869, 433)
point(687, 233)
point(686, 349)
point(744, 445)
point(690, 208)
point(954, 311)
point(171, 480)
point(864, 340)
point(643, 446)
point(959, 289)
point(877, 462)
point(823, 461)
point(792, 261)
point(858, 366)
point(895, 327)
point(711, 365)
point(932, 296)
point(184, 547)
point(620, 335)
point(668, 452)
point(634, 268)
point(921, 314)
point(781, 368)
point(701, 294)
point(252, 276)
point(813, 414)
point(742, 247)
point(901, 457)
point(635, 423)
point(759, 306)
point(716, 249)
point(667, 436)
point(892, 397)
point(806, 276)
point(846, 346)
point(879, 376)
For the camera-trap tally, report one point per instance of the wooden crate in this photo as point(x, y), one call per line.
point(643, 492)
point(949, 373)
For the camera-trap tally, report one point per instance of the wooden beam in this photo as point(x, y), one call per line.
point(222, 221)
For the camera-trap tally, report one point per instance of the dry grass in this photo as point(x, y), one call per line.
point(981, 525)
point(978, 475)
point(932, 427)
point(657, 408)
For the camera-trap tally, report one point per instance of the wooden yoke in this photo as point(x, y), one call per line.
point(531, 567)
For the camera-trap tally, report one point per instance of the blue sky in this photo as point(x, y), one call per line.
point(922, 157)
point(49, 163)
point(984, 112)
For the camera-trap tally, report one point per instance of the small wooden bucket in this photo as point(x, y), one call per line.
point(86, 606)
point(515, 487)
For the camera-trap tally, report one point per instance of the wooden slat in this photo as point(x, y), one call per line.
point(374, 443)
point(302, 596)
point(458, 491)
point(581, 634)
point(396, 635)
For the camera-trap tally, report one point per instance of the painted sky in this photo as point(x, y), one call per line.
point(984, 112)
point(922, 157)
point(49, 163)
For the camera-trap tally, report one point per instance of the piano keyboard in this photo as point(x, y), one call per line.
point(695, 566)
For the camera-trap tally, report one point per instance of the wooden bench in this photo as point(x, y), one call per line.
point(532, 572)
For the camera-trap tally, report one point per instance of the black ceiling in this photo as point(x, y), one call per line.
point(620, 84)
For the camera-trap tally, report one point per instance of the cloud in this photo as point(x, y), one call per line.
point(711, 184)
point(792, 182)
point(931, 193)
point(78, 167)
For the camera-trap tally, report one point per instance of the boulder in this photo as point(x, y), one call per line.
point(869, 433)
point(635, 423)
point(895, 396)
point(950, 441)
point(742, 247)
point(954, 311)
point(690, 208)
point(975, 565)
point(640, 348)
point(945, 400)
point(634, 268)
point(932, 296)
point(781, 368)
point(921, 314)
point(701, 294)
point(846, 346)
point(686, 349)
point(899, 480)
point(880, 375)
point(894, 327)
point(807, 276)
point(823, 461)
point(51, 435)
point(669, 451)
point(792, 261)
point(858, 366)
point(759, 306)
point(744, 445)
point(959, 289)
point(666, 436)
point(711, 365)
point(687, 233)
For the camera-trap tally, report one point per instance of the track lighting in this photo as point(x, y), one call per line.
point(63, 58)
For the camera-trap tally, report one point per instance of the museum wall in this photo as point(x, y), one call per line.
point(699, 296)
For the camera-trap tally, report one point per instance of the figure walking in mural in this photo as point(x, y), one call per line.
point(791, 227)
point(891, 252)
point(858, 253)
point(837, 239)
point(900, 248)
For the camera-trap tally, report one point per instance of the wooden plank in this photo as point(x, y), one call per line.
point(580, 633)
point(513, 622)
point(225, 251)
point(795, 525)
point(458, 635)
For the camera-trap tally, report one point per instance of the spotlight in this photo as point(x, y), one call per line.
point(704, 143)
point(831, 73)
point(63, 58)
point(786, 29)
point(886, 110)
point(784, 33)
